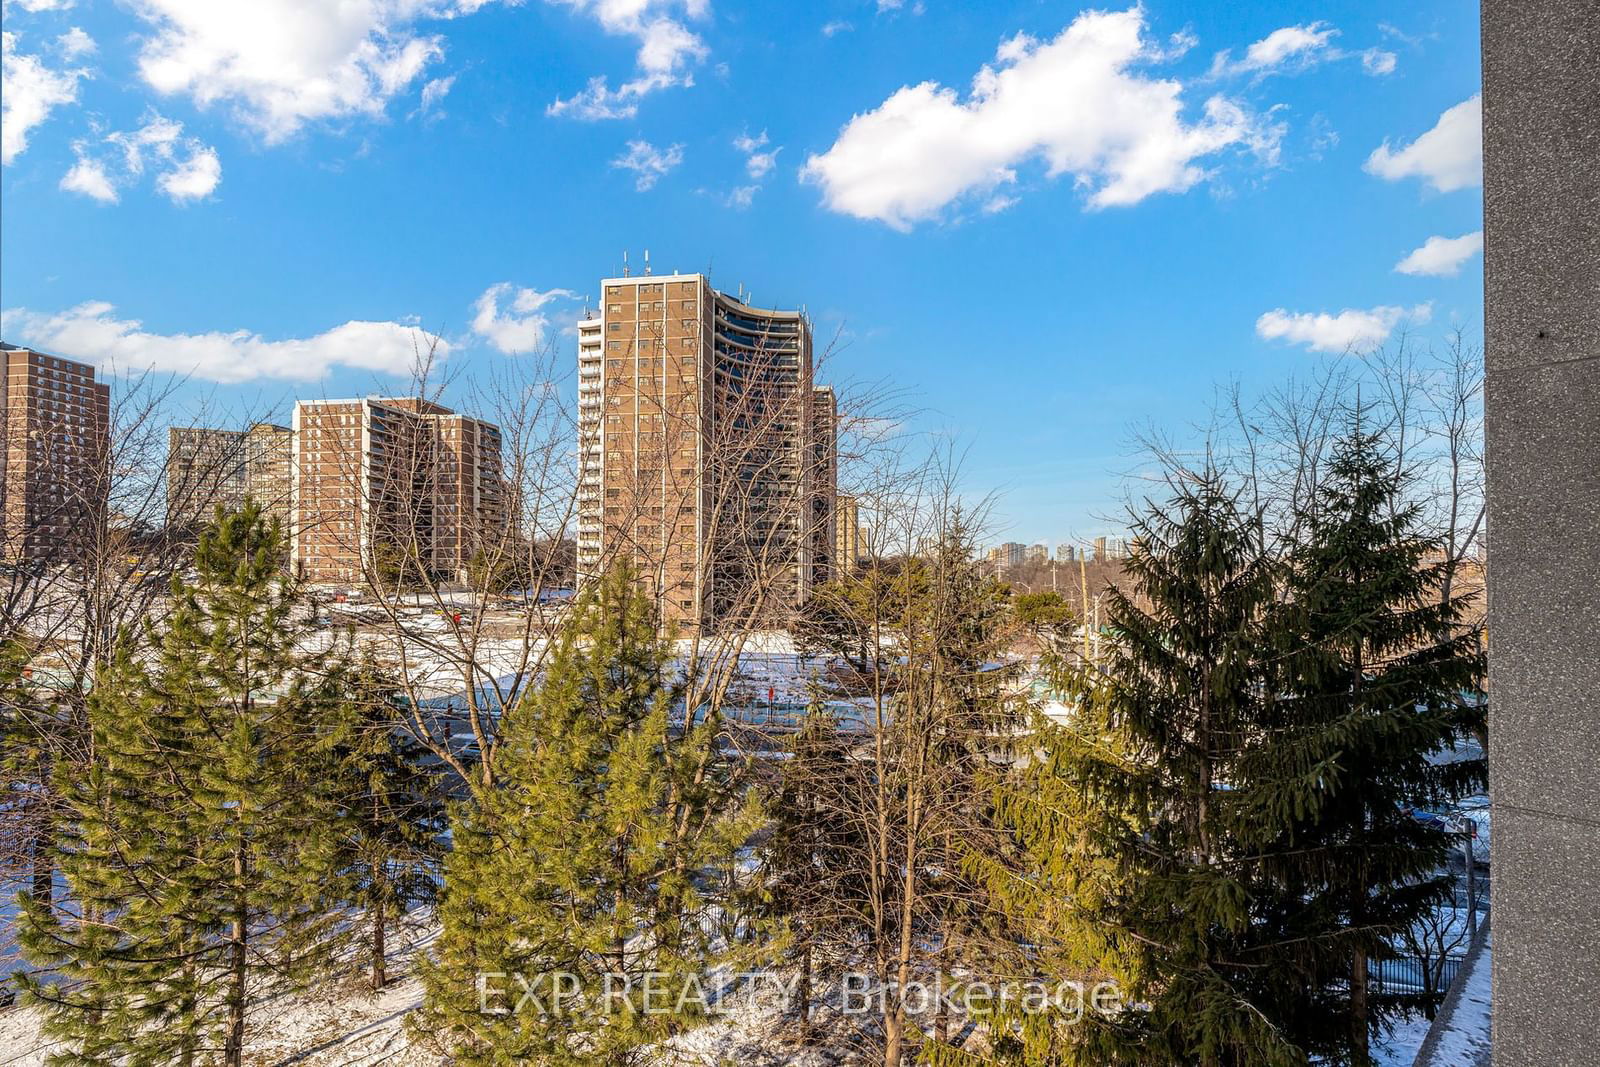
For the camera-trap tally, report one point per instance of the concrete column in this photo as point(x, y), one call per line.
point(1541, 94)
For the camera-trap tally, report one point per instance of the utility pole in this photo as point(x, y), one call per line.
point(1472, 879)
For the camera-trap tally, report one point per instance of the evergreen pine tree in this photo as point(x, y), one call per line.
point(569, 880)
point(1380, 679)
point(809, 882)
point(203, 847)
point(394, 801)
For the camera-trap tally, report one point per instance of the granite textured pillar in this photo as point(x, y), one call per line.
point(1541, 118)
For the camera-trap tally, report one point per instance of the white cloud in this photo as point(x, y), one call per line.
point(756, 162)
point(1448, 157)
point(1288, 48)
point(1442, 256)
point(1078, 102)
point(1377, 62)
point(741, 197)
point(523, 325)
point(648, 163)
point(29, 91)
point(43, 5)
point(188, 168)
point(92, 332)
point(667, 49)
point(1351, 330)
point(836, 26)
point(88, 177)
point(433, 92)
point(75, 44)
point(195, 178)
point(283, 63)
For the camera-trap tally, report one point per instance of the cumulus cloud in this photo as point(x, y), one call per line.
point(667, 49)
point(94, 333)
point(1377, 62)
point(1448, 157)
point(1081, 103)
point(1287, 49)
point(188, 169)
point(88, 177)
point(648, 163)
point(194, 178)
point(1442, 256)
point(1351, 330)
point(522, 325)
point(836, 26)
point(29, 91)
point(43, 5)
point(283, 63)
point(75, 44)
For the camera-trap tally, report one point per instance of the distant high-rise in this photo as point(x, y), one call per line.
point(1039, 553)
point(1100, 550)
point(847, 533)
point(1065, 553)
point(207, 467)
point(706, 452)
point(54, 433)
point(1009, 554)
point(383, 483)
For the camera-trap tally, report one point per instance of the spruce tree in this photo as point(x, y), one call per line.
point(570, 880)
point(1131, 871)
point(1380, 678)
point(203, 846)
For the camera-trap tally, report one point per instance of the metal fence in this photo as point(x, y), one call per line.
point(1414, 974)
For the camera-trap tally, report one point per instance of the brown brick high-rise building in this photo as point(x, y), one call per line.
point(54, 430)
point(207, 467)
point(706, 453)
point(382, 482)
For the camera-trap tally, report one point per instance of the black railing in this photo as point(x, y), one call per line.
point(1414, 974)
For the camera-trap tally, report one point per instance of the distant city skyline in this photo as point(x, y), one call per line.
point(173, 195)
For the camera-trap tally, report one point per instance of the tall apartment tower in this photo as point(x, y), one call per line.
point(847, 533)
point(707, 453)
point(207, 467)
point(378, 478)
point(54, 432)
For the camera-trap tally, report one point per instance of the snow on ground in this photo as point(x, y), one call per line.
point(1462, 1039)
point(1399, 1047)
point(346, 1025)
point(343, 1025)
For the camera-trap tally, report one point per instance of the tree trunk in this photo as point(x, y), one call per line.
point(379, 973)
point(1358, 1005)
point(805, 993)
point(42, 889)
point(233, 1045)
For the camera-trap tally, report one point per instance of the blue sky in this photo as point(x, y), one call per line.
point(1051, 223)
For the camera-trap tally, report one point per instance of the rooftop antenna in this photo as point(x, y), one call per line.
point(647, 262)
point(624, 264)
